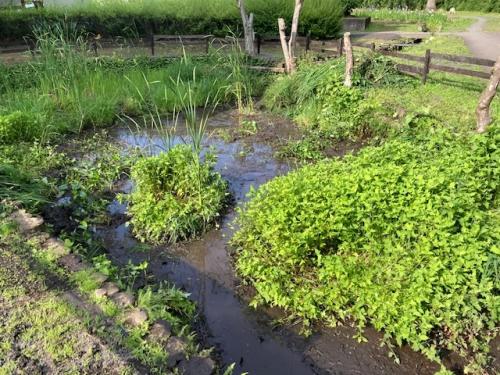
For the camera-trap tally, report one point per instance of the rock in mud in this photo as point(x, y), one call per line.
point(175, 348)
point(123, 299)
point(136, 317)
point(198, 366)
point(26, 221)
point(72, 263)
point(56, 247)
point(160, 331)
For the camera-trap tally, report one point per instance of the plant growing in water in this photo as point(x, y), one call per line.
point(176, 195)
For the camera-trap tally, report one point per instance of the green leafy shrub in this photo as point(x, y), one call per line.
point(318, 100)
point(177, 17)
point(401, 237)
point(176, 196)
point(18, 127)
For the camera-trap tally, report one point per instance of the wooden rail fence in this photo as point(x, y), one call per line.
point(429, 61)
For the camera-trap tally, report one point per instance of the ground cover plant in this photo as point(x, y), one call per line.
point(176, 195)
point(402, 237)
point(469, 5)
point(177, 17)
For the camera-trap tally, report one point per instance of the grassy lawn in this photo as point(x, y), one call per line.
point(40, 330)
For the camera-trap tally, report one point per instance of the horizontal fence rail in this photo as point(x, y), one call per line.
point(429, 61)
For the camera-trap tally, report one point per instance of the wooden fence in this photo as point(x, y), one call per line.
point(429, 62)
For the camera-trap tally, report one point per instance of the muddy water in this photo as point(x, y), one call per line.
point(204, 269)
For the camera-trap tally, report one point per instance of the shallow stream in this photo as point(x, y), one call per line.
point(203, 267)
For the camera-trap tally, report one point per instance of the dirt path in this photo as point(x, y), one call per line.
point(482, 44)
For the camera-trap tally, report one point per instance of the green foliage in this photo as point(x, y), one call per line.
point(176, 17)
point(318, 99)
point(19, 187)
point(167, 303)
point(18, 126)
point(176, 196)
point(433, 21)
point(472, 5)
point(400, 236)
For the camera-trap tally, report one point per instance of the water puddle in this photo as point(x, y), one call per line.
point(204, 268)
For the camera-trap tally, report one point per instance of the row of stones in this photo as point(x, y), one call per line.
point(160, 331)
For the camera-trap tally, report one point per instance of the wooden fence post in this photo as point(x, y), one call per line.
point(308, 42)
point(94, 48)
point(427, 66)
point(152, 44)
point(483, 108)
point(372, 47)
point(340, 47)
point(259, 43)
point(207, 45)
point(349, 58)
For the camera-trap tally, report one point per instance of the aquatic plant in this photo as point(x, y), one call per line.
point(176, 196)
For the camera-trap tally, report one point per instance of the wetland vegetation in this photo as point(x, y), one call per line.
point(371, 206)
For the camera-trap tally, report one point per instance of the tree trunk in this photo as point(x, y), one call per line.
point(483, 109)
point(290, 47)
point(248, 29)
point(284, 45)
point(349, 60)
point(431, 5)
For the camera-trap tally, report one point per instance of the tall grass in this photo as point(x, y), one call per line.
point(434, 21)
point(69, 90)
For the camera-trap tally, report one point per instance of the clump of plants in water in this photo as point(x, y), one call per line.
point(403, 237)
point(176, 195)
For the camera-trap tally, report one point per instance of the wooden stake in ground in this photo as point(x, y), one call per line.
point(349, 60)
point(289, 48)
point(248, 29)
point(483, 109)
point(431, 5)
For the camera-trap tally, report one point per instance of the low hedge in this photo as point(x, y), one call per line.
point(404, 237)
point(320, 17)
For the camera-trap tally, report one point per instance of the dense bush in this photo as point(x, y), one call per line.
point(316, 97)
point(403, 237)
point(176, 196)
point(139, 18)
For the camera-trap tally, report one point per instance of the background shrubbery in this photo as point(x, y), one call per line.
point(472, 5)
point(176, 196)
point(404, 236)
point(178, 17)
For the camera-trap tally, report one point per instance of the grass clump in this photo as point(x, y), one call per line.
point(402, 236)
point(176, 196)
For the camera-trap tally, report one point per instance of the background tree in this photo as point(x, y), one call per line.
point(289, 49)
point(431, 5)
point(248, 28)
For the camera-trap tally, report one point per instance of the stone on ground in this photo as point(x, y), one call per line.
point(56, 247)
point(72, 263)
point(110, 289)
point(198, 366)
point(123, 299)
point(175, 348)
point(135, 317)
point(26, 221)
point(160, 331)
